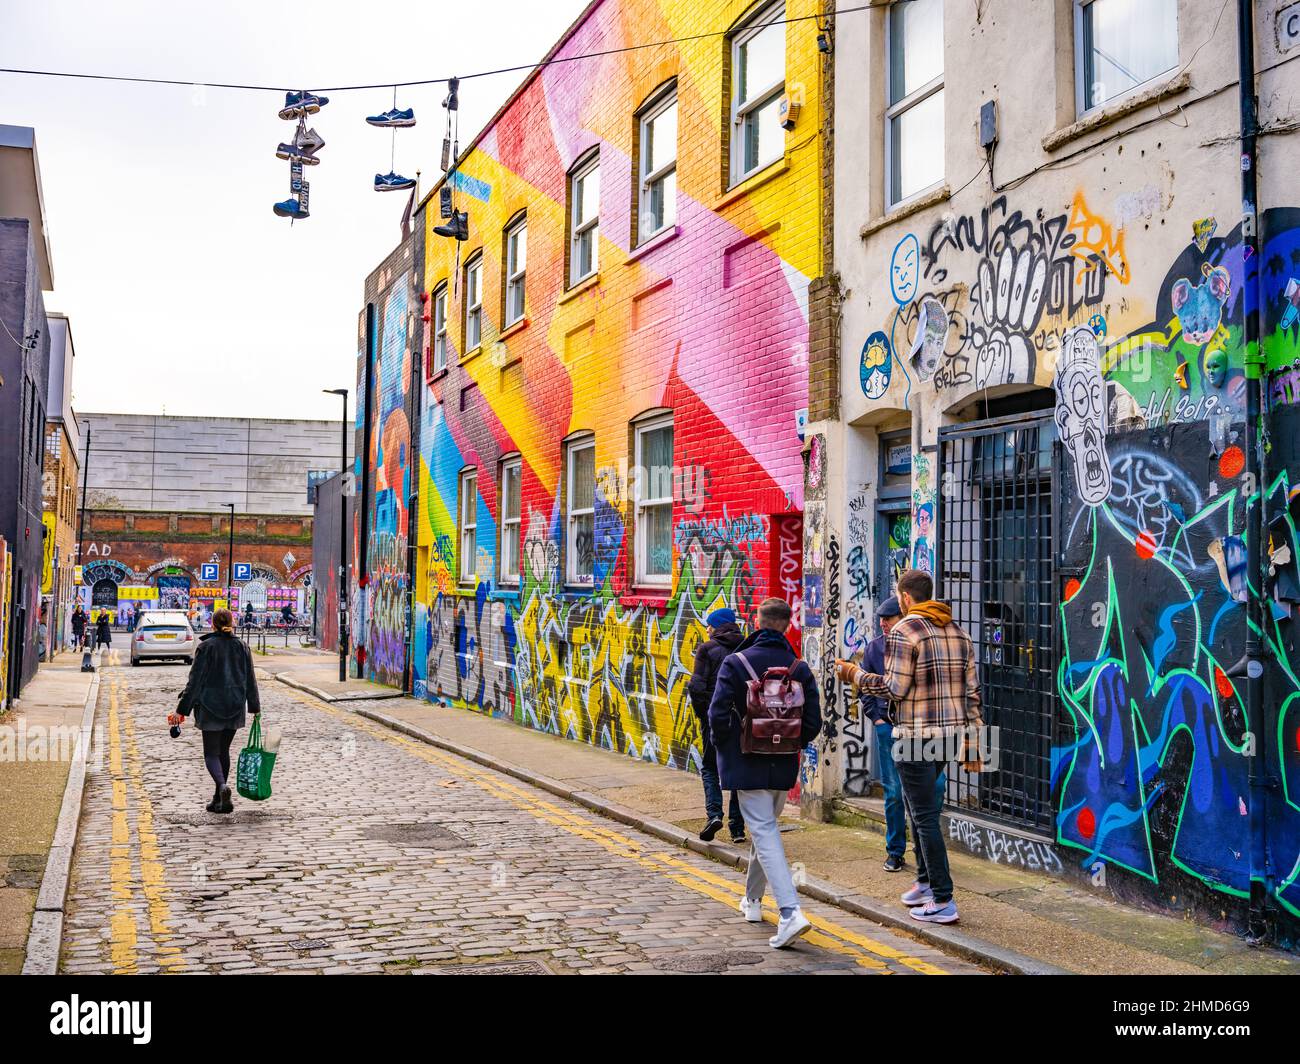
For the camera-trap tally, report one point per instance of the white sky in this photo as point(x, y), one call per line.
point(183, 289)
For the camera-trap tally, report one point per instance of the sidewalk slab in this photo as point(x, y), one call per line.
point(1012, 920)
point(39, 804)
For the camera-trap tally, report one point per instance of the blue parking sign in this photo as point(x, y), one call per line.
point(243, 571)
point(209, 572)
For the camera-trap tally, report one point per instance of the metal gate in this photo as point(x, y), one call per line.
point(997, 485)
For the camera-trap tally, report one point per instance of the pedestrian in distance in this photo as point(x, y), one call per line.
point(248, 616)
point(724, 636)
point(103, 630)
point(877, 710)
point(930, 677)
point(765, 700)
point(79, 626)
point(221, 684)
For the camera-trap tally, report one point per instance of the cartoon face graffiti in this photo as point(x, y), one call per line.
point(1081, 413)
point(877, 365)
point(904, 269)
point(1200, 307)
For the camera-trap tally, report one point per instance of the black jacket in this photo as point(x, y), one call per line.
point(765, 649)
point(221, 683)
point(78, 623)
point(103, 632)
point(708, 660)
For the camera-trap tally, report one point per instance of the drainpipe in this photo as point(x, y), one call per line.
point(1260, 871)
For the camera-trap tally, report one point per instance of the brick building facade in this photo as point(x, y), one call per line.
point(612, 376)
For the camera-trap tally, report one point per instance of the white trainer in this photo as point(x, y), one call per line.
point(751, 910)
point(789, 928)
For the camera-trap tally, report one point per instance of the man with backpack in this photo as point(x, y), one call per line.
point(724, 636)
point(765, 710)
point(931, 680)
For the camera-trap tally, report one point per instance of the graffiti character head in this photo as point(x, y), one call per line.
point(1216, 367)
point(924, 520)
point(877, 365)
point(1200, 307)
point(931, 331)
point(1081, 413)
point(904, 269)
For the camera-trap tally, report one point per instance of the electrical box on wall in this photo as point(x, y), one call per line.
point(787, 112)
point(988, 124)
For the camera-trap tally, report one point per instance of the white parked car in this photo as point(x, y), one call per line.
point(162, 634)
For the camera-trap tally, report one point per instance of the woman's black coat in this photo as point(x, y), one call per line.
point(221, 683)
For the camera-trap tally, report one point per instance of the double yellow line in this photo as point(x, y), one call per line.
point(127, 775)
point(830, 936)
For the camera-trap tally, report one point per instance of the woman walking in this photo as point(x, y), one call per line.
point(103, 630)
point(221, 683)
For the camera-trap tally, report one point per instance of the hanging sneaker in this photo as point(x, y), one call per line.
point(394, 119)
point(291, 208)
point(297, 104)
point(296, 153)
point(391, 182)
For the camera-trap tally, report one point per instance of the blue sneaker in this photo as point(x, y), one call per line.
point(291, 208)
point(391, 182)
point(932, 913)
point(297, 104)
point(920, 894)
point(394, 119)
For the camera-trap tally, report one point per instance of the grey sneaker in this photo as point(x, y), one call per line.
point(931, 913)
point(920, 894)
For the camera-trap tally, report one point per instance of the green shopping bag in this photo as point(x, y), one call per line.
point(253, 772)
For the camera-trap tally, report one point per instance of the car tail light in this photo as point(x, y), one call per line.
point(139, 637)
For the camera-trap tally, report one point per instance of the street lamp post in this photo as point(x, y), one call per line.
point(230, 561)
point(343, 536)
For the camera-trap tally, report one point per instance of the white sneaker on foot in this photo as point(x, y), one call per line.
point(789, 928)
point(751, 910)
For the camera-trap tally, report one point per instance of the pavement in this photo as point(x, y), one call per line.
point(1011, 919)
point(381, 853)
point(31, 792)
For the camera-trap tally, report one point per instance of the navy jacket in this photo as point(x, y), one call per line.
point(765, 649)
point(873, 660)
point(708, 660)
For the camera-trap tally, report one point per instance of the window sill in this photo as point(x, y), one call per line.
point(658, 240)
point(505, 593)
point(653, 598)
point(906, 209)
point(470, 355)
point(439, 374)
point(584, 285)
point(512, 328)
point(1094, 120)
point(771, 172)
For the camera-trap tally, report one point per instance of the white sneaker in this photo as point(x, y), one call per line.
point(751, 910)
point(789, 928)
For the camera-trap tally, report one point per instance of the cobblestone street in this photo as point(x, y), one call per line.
point(378, 853)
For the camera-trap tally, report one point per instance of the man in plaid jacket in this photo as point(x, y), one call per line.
point(931, 680)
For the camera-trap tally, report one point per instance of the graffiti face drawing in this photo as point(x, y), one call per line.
point(930, 333)
point(877, 365)
point(904, 269)
point(1081, 413)
point(1200, 307)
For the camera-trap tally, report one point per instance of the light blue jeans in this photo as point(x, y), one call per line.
point(767, 863)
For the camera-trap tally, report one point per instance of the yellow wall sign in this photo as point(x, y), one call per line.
point(136, 593)
point(47, 568)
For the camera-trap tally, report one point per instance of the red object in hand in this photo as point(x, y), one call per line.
point(175, 719)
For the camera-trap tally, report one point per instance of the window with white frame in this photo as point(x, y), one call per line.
point(914, 119)
point(757, 82)
point(584, 220)
point(440, 327)
point(657, 189)
point(1121, 44)
point(474, 302)
point(468, 525)
point(654, 502)
point(580, 538)
point(516, 265)
point(511, 476)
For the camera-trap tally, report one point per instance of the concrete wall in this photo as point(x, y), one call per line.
point(1112, 244)
point(327, 550)
point(154, 462)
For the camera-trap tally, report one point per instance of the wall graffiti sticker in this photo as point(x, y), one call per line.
point(1081, 413)
point(905, 269)
point(1200, 307)
point(877, 365)
point(931, 330)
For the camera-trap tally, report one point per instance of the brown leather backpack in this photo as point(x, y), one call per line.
point(773, 720)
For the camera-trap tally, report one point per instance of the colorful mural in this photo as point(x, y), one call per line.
point(708, 321)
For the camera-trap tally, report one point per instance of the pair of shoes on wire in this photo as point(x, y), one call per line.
point(303, 149)
point(298, 104)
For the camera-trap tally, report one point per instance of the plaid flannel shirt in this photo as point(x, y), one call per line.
point(929, 676)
